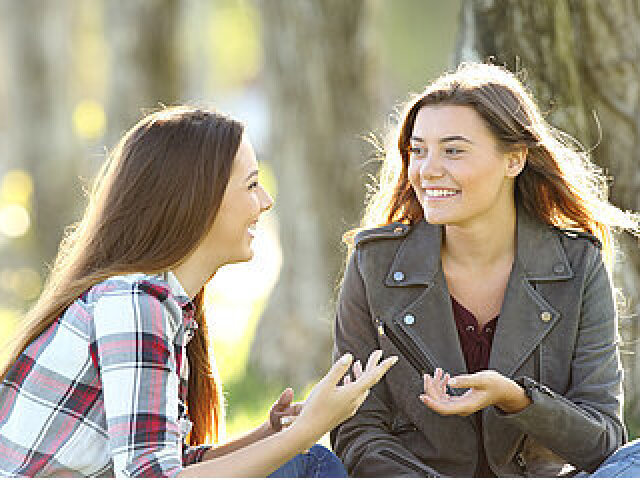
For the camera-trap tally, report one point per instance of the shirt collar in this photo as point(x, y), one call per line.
point(177, 289)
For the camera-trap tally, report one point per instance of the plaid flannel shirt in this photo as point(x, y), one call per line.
point(101, 392)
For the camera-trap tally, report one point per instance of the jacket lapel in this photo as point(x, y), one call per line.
point(526, 316)
point(417, 264)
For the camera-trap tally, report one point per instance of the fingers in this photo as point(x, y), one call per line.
point(375, 371)
point(372, 373)
point(339, 369)
point(463, 405)
point(357, 369)
point(374, 358)
point(286, 397)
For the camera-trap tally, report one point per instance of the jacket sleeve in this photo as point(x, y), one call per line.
point(365, 442)
point(584, 426)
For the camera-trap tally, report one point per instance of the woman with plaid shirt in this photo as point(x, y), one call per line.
point(110, 374)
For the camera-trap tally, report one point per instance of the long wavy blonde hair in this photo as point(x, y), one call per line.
point(153, 201)
point(559, 185)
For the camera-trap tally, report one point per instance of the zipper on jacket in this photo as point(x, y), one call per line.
point(411, 352)
point(407, 463)
point(415, 354)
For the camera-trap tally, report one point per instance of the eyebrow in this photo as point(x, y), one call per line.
point(253, 173)
point(450, 138)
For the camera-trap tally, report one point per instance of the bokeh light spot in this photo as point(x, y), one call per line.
point(25, 282)
point(14, 220)
point(89, 119)
point(17, 187)
point(235, 41)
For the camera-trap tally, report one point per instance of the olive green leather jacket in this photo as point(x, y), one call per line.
point(557, 333)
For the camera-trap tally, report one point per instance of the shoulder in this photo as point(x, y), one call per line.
point(130, 285)
point(133, 302)
point(392, 231)
point(578, 236)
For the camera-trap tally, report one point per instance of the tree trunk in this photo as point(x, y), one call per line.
point(144, 60)
point(318, 78)
point(37, 123)
point(582, 56)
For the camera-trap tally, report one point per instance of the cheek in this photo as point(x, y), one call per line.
point(413, 173)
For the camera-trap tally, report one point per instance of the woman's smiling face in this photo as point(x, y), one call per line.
point(456, 166)
point(243, 202)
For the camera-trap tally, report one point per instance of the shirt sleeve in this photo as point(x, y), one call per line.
point(191, 455)
point(136, 358)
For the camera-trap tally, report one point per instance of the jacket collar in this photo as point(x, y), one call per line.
point(538, 251)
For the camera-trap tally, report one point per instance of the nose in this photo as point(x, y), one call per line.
point(266, 201)
point(431, 166)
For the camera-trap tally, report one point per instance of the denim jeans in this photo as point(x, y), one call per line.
point(319, 462)
point(624, 463)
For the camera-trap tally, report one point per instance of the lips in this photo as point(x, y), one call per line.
point(252, 228)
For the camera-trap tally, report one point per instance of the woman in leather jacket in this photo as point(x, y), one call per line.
point(484, 263)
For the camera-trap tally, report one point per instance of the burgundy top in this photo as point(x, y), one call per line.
point(476, 348)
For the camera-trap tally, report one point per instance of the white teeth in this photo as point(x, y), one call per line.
point(441, 193)
point(252, 229)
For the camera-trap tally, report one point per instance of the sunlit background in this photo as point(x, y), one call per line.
point(67, 94)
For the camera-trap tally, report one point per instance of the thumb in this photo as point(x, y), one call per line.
point(339, 369)
point(464, 381)
point(285, 397)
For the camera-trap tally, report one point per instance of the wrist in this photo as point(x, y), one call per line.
point(267, 429)
point(303, 434)
point(515, 399)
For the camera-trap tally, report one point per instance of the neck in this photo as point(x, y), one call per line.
point(193, 274)
point(483, 242)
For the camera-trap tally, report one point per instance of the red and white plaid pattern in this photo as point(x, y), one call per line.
point(101, 392)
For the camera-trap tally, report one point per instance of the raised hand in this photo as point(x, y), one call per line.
point(283, 413)
point(330, 404)
point(485, 388)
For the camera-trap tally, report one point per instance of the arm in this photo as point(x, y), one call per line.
point(326, 406)
point(361, 441)
point(281, 413)
point(585, 425)
point(253, 436)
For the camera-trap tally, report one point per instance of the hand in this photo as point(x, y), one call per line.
point(485, 388)
point(283, 413)
point(328, 404)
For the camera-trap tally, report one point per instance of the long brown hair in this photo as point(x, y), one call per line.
point(559, 184)
point(153, 201)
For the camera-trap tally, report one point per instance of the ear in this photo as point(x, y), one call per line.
point(516, 160)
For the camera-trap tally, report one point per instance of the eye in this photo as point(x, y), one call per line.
point(417, 152)
point(453, 151)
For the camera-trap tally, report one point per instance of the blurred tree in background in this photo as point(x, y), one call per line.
point(319, 77)
point(311, 79)
point(583, 57)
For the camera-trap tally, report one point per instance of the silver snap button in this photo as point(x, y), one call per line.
point(409, 319)
point(545, 316)
point(558, 268)
point(398, 276)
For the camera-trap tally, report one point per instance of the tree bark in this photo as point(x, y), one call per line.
point(582, 57)
point(318, 75)
point(144, 60)
point(37, 125)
